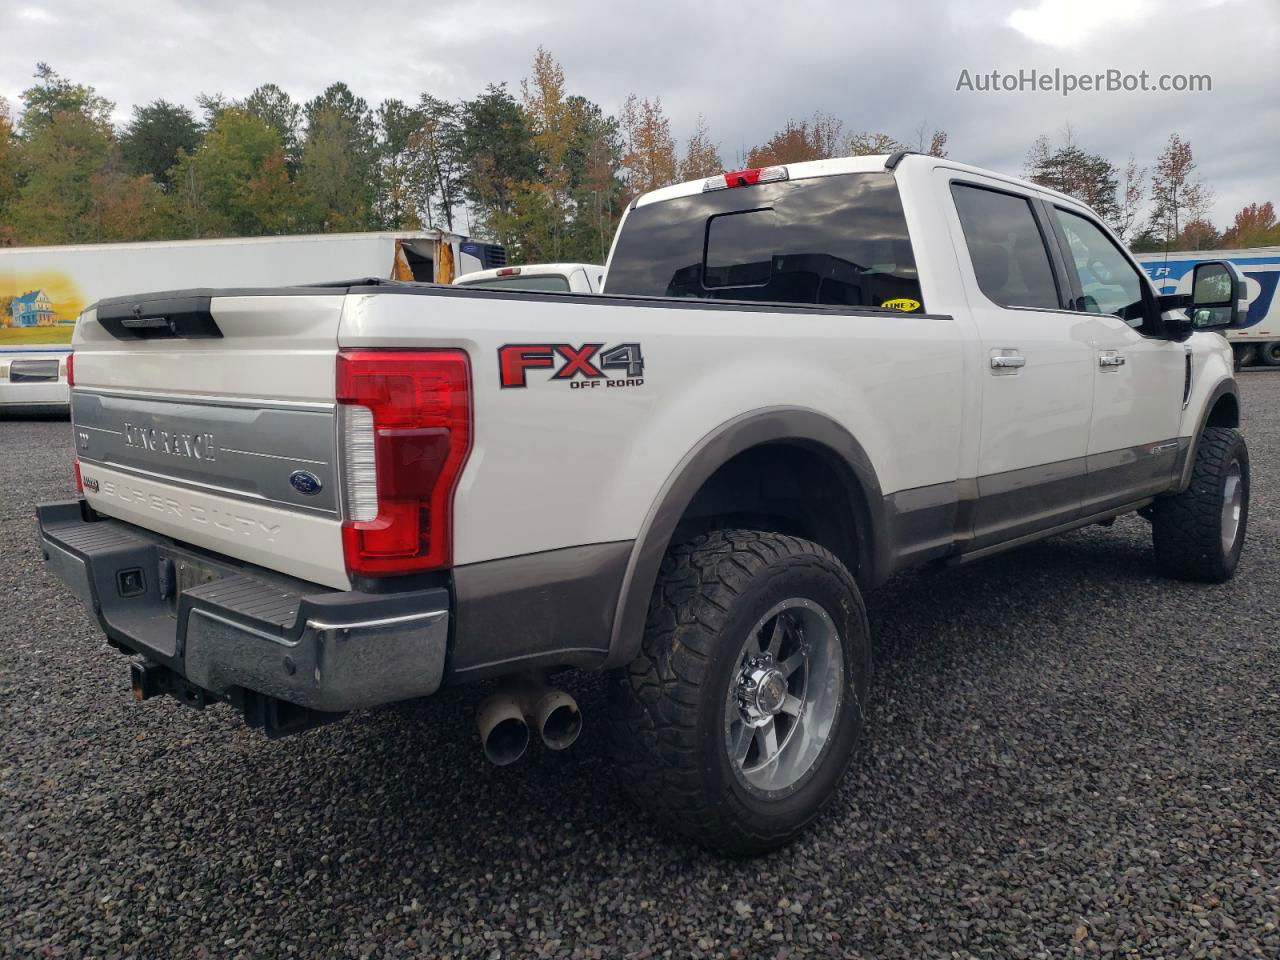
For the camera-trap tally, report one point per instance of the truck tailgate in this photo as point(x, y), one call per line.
point(210, 419)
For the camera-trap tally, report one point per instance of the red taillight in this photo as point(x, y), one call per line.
point(405, 418)
point(79, 480)
point(509, 272)
point(745, 178)
point(71, 369)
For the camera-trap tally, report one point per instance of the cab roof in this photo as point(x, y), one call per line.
point(872, 163)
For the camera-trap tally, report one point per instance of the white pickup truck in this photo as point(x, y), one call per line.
point(557, 277)
point(305, 501)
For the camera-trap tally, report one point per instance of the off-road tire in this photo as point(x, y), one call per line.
point(667, 708)
point(1186, 528)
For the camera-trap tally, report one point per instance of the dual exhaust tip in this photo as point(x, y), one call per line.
point(506, 717)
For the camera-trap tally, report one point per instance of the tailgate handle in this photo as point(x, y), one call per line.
point(149, 323)
point(185, 316)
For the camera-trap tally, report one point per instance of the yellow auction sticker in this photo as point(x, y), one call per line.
point(905, 304)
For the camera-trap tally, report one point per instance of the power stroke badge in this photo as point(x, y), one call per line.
point(582, 368)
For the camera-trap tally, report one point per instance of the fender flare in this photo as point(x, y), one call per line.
point(766, 425)
point(1225, 387)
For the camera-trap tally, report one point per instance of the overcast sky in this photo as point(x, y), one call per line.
point(747, 65)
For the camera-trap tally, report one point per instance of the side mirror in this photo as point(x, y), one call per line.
point(1218, 296)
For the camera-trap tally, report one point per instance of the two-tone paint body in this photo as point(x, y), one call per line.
point(574, 486)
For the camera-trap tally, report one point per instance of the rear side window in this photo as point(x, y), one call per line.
point(546, 282)
point(839, 240)
point(1006, 247)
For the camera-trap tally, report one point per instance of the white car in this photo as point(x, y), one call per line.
point(548, 277)
point(34, 379)
point(800, 381)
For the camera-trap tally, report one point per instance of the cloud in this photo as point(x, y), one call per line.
point(35, 15)
point(1067, 23)
point(746, 65)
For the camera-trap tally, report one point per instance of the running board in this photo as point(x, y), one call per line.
point(1108, 514)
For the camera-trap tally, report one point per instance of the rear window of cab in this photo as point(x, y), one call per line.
point(838, 240)
point(544, 282)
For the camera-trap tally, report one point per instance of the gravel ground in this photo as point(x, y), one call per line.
point(1066, 756)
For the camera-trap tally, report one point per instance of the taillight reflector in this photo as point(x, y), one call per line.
point(79, 479)
point(71, 369)
point(405, 420)
point(745, 178)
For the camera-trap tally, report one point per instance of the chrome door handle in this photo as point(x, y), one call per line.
point(1111, 360)
point(1000, 363)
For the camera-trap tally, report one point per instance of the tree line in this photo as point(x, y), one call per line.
point(1162, 207)
point(542, 170)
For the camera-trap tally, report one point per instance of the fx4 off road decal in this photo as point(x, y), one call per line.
point(582, 368)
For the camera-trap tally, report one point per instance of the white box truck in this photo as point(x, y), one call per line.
point(1258, 339)
point(44, 289)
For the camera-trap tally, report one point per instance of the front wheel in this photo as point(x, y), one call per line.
point(735, 724)
point(1198, 534)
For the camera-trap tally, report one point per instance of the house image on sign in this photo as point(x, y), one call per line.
point(32, 309)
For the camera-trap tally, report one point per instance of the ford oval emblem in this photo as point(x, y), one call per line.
point(304, 481)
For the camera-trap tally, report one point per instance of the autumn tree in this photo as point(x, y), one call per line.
point(150, 142)
point(400, 188)
point(1129, 197)
point(937, 146)
point(649, 152)
point(338, 161)
point(8, 172)
point(553, 119)
point(1145, 240)
point(279, 111)
point(863, 144)
point(53, 94)
point(1176, 191)
point(1198, 234)
point(817, 138)
point(436, 147)
point(59, 163)
point(596, 188)
point(124, 208)
point(66, 181)
point(1253, 226)
point(236, 182)
point(498, 147)
point(211, 107)
point(701, 154)
point(1067, 167)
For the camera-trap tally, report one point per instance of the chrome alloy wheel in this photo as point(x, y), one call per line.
point(1232, 501)
point(783, 701)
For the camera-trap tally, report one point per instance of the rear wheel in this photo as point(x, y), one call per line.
point(736, 722)
point(1199, 533)
point(1269, 353)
